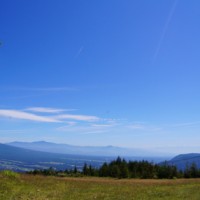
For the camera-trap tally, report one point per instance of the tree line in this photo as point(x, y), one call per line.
point(120, 168)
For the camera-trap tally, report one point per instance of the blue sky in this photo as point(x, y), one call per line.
point(123, 73)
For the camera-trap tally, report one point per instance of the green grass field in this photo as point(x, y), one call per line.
point(25, 187)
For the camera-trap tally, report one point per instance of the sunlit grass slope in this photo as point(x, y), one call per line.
point(25, 187)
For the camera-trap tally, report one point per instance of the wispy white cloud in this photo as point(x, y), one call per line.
point(23, 96)
point(89, 127)
point(77, 117)
point(136, 126)
point(143, 127)
point(48, 117)
point(15, 114)
point(32, 92)
point(45, 110)
point(102, 125)
point(53, 89)
point(13, 131)
point(71, 123)
point(169, 18)
point(82, 129)
point(106, 123)
point(186, 124)
point(94, 132)
point(38, 89)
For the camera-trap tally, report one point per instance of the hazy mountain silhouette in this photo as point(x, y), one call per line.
point(20, 159)
point(84, 150)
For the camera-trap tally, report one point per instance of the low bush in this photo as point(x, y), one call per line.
point(9, 174)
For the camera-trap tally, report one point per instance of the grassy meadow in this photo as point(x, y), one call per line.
point(25, 187)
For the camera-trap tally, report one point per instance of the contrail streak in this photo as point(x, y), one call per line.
point(79, 52)
point(169, 18)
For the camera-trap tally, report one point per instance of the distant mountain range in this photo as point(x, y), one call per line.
point(22, 156)
point(20, 159)
point(85, 150)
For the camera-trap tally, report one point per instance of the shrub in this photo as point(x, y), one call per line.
point(9, 174)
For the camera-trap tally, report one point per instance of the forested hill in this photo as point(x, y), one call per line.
point(185, 160)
